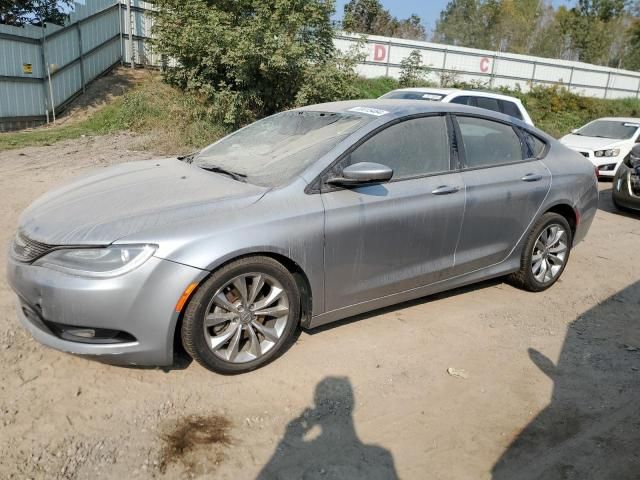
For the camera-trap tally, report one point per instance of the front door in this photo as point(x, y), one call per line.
point(387, 238)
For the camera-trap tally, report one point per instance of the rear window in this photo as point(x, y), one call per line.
point(510, 108)
point(430, 96)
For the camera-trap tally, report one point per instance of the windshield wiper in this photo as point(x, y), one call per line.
point(188, 158)
point(240, 177)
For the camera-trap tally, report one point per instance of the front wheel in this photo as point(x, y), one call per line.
point(545, 254)
point(242, 317)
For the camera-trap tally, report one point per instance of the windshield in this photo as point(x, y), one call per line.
point(272, 151)
point(609, 129)
point(410, 95)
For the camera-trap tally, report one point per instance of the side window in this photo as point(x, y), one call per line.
point(534, 144)
point(413, 147)
point(488, 103)
point(463, 100)
point(488, 143)
point(510, 108)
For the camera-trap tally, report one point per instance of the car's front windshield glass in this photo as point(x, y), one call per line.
point(272, 151)
point(411, 95)
point(609, 129)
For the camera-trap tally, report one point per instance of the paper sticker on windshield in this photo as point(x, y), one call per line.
point(432, 96)
point(369, 111)
point(634, 125)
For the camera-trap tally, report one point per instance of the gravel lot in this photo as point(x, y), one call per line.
point(549, 385)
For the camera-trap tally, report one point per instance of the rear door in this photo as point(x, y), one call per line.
point(505, 188)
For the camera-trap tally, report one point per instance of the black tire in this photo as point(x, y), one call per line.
point(524, 278)
point(193, 331)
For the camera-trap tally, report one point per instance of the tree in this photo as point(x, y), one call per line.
point(361, 15)
point(21, 12)
point(412, 72)
point(369, 17)
point(249, 57)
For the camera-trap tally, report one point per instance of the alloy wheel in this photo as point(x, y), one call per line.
point(549, 253)
point(246, 317)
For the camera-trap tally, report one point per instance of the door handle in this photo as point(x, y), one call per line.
point(445, 190)
point(531, 177)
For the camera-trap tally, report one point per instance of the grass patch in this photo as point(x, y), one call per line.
point(175, 121)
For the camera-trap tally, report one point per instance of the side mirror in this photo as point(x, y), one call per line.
point(634, 156)
point(575, 130)
point(363, 173)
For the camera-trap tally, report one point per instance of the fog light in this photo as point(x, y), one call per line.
point(82, 332)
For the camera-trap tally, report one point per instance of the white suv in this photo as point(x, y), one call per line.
point(474, 98)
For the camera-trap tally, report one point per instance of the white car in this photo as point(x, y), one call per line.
point(474, 98)
point(605, 141)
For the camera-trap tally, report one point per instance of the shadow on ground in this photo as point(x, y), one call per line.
point(322, 442)
point(605, 202)
point(591, 428)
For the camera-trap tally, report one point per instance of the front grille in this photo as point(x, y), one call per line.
point(26, 250)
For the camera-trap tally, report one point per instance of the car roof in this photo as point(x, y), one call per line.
point(459, 91)
point(393, 108)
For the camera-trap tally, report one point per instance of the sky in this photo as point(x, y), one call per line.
point(428, 10)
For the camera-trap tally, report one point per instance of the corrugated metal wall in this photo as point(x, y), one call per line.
point(90, 44)
point(495, 69)
point(87, 46)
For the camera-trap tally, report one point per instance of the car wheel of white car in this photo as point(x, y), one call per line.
point(242, 317)
point(545, 254)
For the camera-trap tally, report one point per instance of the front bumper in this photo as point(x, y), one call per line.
point(623, 194)
point(141, 304)
point(607, 166)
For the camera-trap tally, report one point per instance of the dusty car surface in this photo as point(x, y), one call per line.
point(303, 218)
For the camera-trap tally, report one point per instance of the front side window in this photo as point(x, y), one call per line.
point(411, 148)
point(272, 151)
point(488, 143)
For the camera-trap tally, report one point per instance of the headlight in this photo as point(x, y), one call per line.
point(97, 262)
point(607, 153)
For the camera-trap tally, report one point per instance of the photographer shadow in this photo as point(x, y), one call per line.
point(591, 427)
point(322, 442)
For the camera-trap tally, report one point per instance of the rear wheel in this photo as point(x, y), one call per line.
point(243, 316)
point(545, 254)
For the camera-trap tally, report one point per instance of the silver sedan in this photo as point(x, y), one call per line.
point(300, 219)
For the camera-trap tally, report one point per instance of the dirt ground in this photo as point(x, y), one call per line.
point(549, 388)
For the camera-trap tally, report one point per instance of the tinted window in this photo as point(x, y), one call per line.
point(488, 143)
point(414, 147)
point(534, 144)
point(510, 108)
point(464, 100)
point(488, 103)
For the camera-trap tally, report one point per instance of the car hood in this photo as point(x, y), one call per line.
point(591, 143)
point(130, 198)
